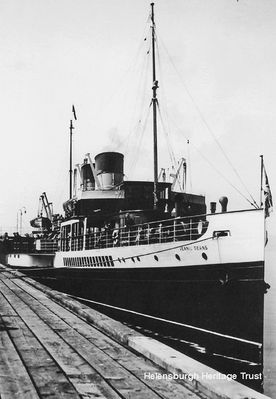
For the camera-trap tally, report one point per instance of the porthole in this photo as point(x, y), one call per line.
point(133, 260)
point(138, 259)
point(177, 257)
point(156, 258)
point(204, 255)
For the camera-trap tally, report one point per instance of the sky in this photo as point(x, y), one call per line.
point(217, 75)
point(216, 71)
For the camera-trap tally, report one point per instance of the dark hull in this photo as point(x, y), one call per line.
point(226, 299)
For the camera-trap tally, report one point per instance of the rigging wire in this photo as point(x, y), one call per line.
point(173, 160)
point(166, 128)
point(164, 109)
point(142, 119)
point(208, 127)
point(227, 180)
point(134, 127)
point(189, 165)
point(142, 82)
point(171, 153)
point(142, 132)
point(128, 72)
point(219, 172)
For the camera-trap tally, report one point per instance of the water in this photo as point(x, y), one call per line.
point(216, 352)
point(270, 326)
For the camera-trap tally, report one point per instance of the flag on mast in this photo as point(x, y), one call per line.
point(74, 112)
point(268, 203)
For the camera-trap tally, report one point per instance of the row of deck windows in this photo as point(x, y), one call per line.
point(89, 261)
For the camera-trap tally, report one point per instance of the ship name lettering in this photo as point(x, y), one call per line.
point(200, 247)
point(186, 248)
point(195, 248)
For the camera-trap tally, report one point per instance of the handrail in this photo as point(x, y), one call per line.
point(168, 230)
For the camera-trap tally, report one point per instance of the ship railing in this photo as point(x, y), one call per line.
point(20, 245)
point(177, 229)
point(46, 245)
point(158, 232)
point(77, 243)
point(31, 245)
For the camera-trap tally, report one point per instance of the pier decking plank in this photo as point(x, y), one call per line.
point(117, 352)
point(83, 377)
point(15, 382)
point(44, 371)
point(70, 349)
point(59, 355)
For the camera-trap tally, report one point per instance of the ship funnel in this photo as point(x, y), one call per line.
point(88, 180)
point(223, 202)
point(110, 169)
point(213, 207)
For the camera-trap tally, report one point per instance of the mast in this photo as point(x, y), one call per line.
point(262, 172)
point(154, 110)
point(70, 161)
point(71, 153)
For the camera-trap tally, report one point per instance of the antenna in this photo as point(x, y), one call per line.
point(70, 160)
point(71, 152)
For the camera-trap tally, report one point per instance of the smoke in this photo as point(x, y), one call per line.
point(115, 141)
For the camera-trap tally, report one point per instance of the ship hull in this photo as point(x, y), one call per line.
point(215, 283)
point(225, 298)
point(23, 260)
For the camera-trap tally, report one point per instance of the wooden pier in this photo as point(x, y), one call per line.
point(52, 346)
point(46, 351)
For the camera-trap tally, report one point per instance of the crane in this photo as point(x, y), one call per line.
point(177, 176)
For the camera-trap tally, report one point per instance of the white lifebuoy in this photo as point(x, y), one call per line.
point(200, 227)
point(115, 237)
